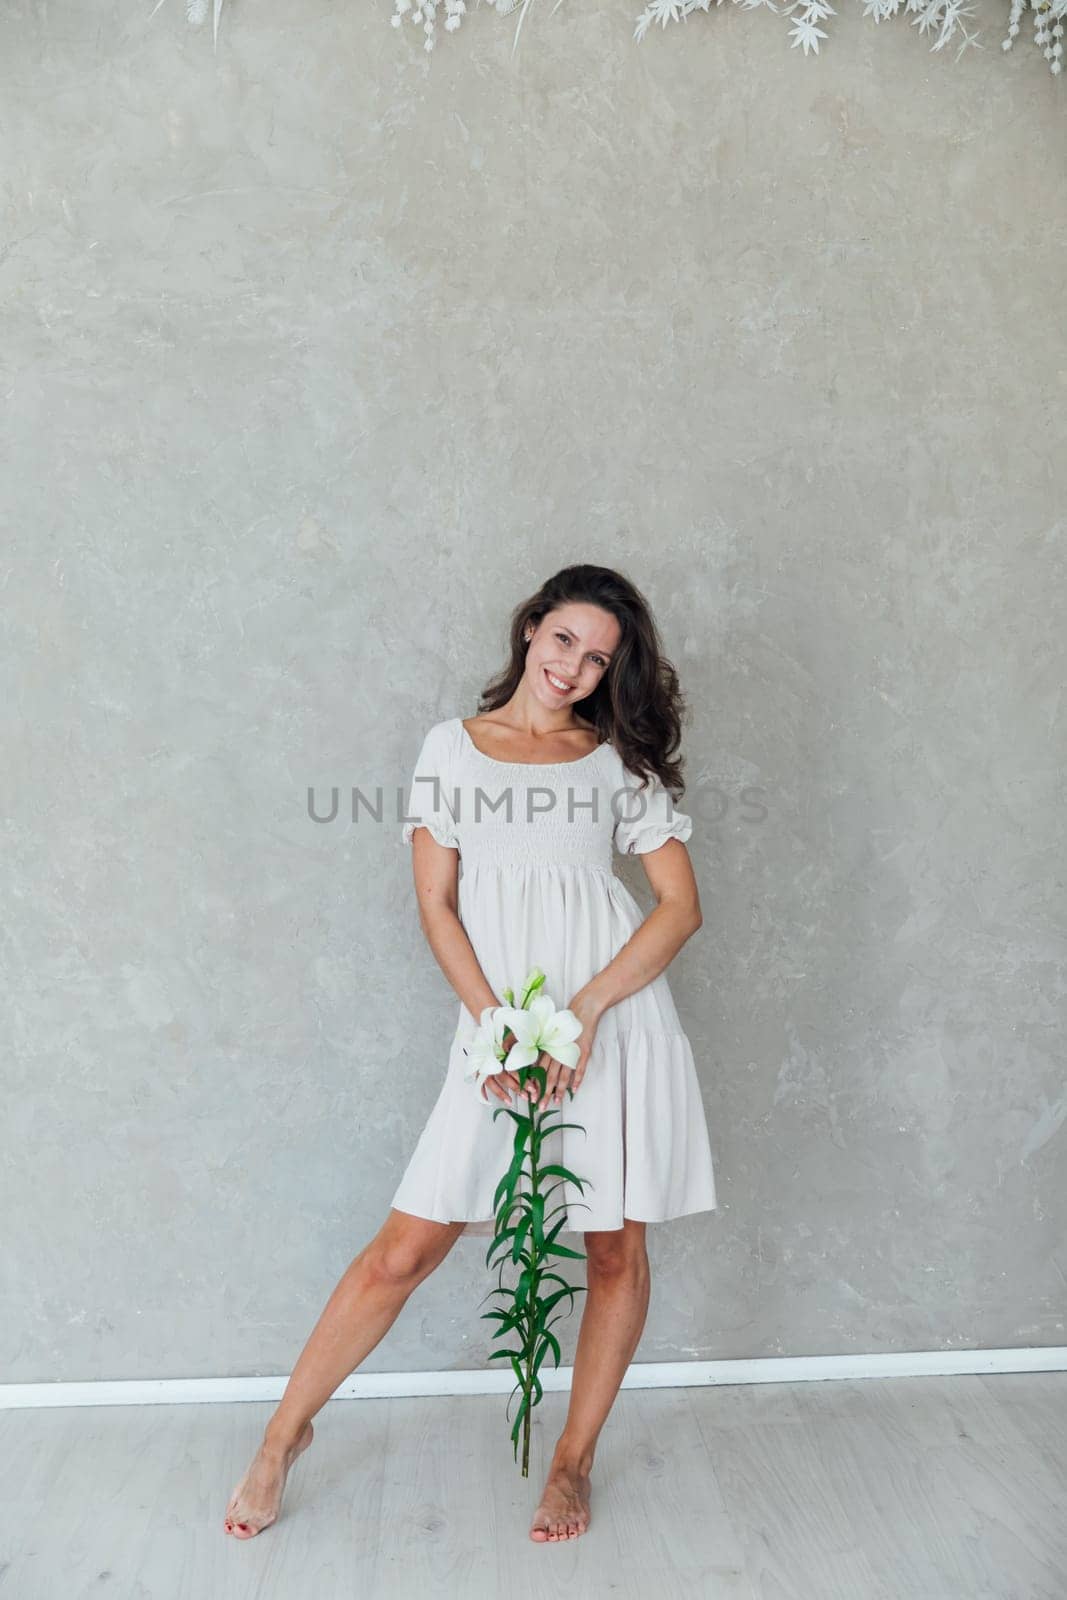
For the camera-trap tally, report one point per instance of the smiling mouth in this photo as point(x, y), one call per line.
point(558, 683)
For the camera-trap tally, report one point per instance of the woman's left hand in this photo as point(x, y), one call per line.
point(559, 1078)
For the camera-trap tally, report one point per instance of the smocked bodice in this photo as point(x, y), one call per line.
point(507, 814)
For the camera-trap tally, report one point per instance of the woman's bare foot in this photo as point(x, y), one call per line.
point(564, 1509)
point(255, 1502)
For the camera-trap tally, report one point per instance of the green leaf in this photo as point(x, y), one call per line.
point(520, 1238)
point(547, 1193)
point(538, 1221)
point(553, 1342)
point(555, 1277)
point(506, 1209)
point(500, 1238)
point(506, 1184)
point(569, 1177)
point(554, 1299)
point(557, 1171)
point(518, 1420)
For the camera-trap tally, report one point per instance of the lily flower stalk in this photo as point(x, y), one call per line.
point(523, 1235)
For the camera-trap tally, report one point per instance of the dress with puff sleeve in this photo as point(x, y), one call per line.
point(431, 790)
point(647, 816)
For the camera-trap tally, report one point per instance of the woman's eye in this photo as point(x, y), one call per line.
point(597, 660)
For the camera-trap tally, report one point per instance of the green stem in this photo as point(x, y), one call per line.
point(532, 1305)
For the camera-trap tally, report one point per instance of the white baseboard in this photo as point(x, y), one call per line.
point(641, 1375)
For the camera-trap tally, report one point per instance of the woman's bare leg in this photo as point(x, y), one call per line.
point(359, 1312)
point(618, 1283)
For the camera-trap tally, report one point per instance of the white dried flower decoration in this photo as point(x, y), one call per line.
point(946, 17)
point(196, 13)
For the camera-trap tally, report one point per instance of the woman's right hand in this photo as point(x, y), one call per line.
point(503, 1084)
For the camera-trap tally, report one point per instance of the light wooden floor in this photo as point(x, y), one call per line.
point(898, 1489)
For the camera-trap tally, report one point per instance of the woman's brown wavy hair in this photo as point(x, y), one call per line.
point(638, 703)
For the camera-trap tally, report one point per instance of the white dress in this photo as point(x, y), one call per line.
point(539, 890)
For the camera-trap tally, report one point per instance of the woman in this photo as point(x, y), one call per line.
point(572, 754)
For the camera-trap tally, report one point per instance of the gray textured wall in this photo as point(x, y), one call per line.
point(319, 353)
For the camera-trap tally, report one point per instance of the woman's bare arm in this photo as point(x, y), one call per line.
point(649, 949)
point(436, 871)
point(653, 946)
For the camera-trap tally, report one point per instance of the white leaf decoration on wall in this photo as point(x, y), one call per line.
point(944, 16)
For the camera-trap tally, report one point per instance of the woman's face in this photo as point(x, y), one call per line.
point(569, 653)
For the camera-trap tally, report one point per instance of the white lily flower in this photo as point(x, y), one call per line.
point(541, 1028)
point(485, 1053)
